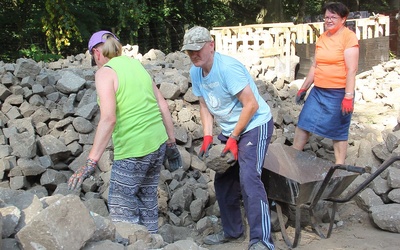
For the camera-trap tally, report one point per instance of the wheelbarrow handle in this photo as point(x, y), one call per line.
point(366, 182)
point(351, 168)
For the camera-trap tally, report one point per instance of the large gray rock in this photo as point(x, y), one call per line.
point(394, 178)
point(10, 218)
point(29, 205)
point(97, 206)
point(181, 198)
point(27, 167)
point(52, 178)
point(70, 83)
point(104, 245)
point(26, 67)
point(217, 163)
point(56, 149)
point(387, 217)
point(170, 90)
point(184, 244)
point(105, 229)
point(4, 92)
point(55, 227)
point(367, 199)
point(82, 125)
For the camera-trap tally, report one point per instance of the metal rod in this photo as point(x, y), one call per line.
point(383, 166)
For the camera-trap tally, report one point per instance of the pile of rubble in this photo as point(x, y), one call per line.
point(48, 119)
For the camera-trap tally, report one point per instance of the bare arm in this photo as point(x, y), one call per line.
point(310, 76)
point(351, 60)
point(250, 106)
point(206, 118)
point(106, 85)
point(166, 115)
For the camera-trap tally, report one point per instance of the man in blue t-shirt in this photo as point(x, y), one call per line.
point(227, 94)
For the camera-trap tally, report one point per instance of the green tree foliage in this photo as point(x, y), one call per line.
point(20, 26)
point(37, 28)
point(59, 25)
point(161, 24)
point(302, 11)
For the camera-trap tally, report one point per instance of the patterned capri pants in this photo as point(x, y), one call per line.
point(133, 189)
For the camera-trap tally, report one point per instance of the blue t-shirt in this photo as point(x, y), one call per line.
point(227, 78)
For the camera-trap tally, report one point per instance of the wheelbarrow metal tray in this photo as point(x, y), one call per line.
point(295, 177)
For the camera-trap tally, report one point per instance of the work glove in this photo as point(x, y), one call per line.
point(301, 94)
point(207, 143)
point(81, 174)
point(347, 106)
point(231, 146)
point(173, 156)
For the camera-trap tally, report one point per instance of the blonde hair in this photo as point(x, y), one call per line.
point(111, 47)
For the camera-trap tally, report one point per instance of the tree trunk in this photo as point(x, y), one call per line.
point(302, 12)
point(275, 12)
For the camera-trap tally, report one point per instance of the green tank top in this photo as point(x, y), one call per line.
point(139, 129)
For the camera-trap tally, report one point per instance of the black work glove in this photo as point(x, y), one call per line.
point(301, 94)
point(173, 156)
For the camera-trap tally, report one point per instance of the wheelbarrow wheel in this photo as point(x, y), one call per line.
point(275, 224)
point(291, 213)
point(291, 241)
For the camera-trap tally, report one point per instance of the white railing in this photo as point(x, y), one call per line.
point(279, 39)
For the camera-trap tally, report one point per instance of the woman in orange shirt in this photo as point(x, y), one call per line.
point(329, 106)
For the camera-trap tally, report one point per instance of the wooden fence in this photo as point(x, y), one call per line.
point(279, 39)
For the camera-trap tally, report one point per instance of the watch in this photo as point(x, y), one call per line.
point(234, 137)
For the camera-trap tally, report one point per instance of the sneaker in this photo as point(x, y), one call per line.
point(218, 238)
point(258, 246)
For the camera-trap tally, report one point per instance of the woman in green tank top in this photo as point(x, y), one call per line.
point(134, 114)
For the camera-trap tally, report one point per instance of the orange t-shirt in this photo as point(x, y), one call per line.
point(330, 71)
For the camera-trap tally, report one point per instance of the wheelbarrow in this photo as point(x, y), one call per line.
point(298, 179)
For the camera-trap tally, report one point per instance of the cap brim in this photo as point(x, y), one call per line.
point(193, 46)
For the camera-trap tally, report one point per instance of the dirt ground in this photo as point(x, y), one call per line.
point(357, 232)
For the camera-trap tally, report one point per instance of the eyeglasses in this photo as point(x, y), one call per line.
point(331, 18)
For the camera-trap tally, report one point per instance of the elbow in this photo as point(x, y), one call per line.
point(254, 107)
point(113, 121)
point(352, 71)
point(110, 120)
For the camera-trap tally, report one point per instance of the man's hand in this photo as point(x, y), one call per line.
point(81, 174)
point(231, 146)
point(207, 143)
point(173, 157)
point(347, 106)
point(301, 94)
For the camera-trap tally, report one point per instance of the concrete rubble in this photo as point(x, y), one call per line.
point(48, 119)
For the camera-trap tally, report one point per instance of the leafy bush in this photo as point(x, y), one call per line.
point(35, 53)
